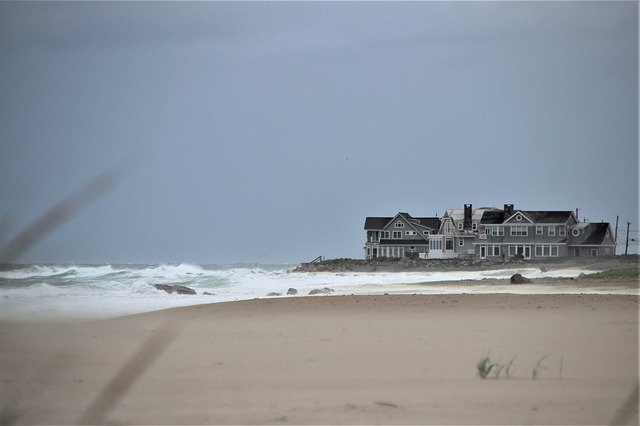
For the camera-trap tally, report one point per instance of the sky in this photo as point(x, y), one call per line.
point(267, 131)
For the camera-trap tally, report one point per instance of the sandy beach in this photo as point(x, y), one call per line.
point(395, 359)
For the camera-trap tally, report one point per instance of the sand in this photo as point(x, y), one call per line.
point(398, 359)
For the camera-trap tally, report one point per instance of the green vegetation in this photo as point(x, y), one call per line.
point(613, 274)
point(484, 366)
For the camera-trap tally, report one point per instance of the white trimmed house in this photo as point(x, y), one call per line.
point(487, 233)
point(399, 235)
point(540, 234)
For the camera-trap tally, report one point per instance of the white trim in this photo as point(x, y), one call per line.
point(517, 213)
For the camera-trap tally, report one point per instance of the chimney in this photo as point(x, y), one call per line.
point(467, 216)
point(508, 210)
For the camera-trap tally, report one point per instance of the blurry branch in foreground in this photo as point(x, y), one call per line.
point(61, 212)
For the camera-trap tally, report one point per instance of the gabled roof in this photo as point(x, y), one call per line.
point(537, 216)
point(492, 217)
point(591, 234)
point(429, 222)
point(550, 216)
point(380, 222)
point(376, 222)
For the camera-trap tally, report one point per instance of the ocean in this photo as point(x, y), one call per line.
point(59, 292)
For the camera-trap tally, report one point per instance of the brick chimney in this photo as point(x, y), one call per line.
point(467, 216)
point(508, 210)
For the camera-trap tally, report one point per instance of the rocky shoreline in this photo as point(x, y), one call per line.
point(408, 265)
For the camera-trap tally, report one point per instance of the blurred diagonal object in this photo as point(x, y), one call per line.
point(63, 211)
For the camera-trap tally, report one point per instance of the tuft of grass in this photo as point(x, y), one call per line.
point(484, 366)
point(539, 367)
point(508, 366)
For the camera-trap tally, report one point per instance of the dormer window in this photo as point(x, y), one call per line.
point(448, 229)
point(460, 225)
point(474, 226)
point(399, 224)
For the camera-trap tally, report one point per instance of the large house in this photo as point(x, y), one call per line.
point(487, 233)
point(399, 235)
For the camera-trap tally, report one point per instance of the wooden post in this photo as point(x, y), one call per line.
point(626, 247)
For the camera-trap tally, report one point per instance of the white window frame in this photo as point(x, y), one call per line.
point(425, 232)
point(552, 230)
point(399, 224)
point(460, 226)
point(539, 230)
point(395, 235)
point(562, 230)
point(448, 229)
point(460, 242)
point(474, 226)
point(387, 235)
point(575, 232)
point(448, 240)
point(519, 230)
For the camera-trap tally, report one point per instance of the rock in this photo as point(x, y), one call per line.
point(206, 293)
point(179, 289)
point(582, 275)
point(325, 290)
point(274, 294)
point(543, 268)
point(292, 291)
point(519, 279)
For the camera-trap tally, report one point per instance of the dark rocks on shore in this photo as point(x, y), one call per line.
point(179, 289)
point(325, 290)
point(273, 293)
point(543, 268)
point(292, 291)
point(519, 279)
point(206, 293)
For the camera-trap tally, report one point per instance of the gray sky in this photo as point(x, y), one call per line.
point(267, 132)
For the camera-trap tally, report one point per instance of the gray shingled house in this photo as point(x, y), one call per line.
point(540, 234)
point(399, 235)
point(488, 233)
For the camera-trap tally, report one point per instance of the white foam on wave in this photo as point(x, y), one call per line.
point(105, 291)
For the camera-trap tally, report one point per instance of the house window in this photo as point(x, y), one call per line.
point(494, 250)
point(435, 244)
point(552, 231)
point(385, 234)
point(460, 225)
point(447, 227)
point(497, 231)
point(425, 232)
point(594, 252)
point(546, 250)
point(397, 234)
point(539, 229)
point(410, 232)
point(412, 248)
point(575, 232)
point(519, 218)
point(399, 224)
point(562, 230)
point(448, 244)
point(461, 242)
point(519, 231)
point(474, 226)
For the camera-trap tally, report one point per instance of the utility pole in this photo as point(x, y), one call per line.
point(626, 247)
point(616, 234)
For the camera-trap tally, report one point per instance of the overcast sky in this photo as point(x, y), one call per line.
point(267, 132)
